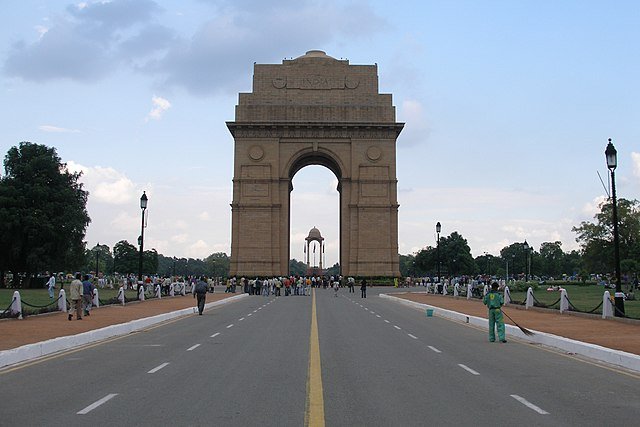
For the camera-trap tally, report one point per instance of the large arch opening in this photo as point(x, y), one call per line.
point(314, 202)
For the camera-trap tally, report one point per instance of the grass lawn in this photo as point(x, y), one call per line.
point(584, 298)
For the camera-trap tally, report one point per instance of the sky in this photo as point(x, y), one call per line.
point(507, 107)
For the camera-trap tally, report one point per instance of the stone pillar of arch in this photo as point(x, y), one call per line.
point(314, 110)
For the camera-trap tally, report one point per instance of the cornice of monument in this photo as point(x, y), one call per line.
point(314, 130)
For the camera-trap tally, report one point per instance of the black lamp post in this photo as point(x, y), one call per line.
point(97, 254)
point(143, 206)
point(526, 261)
point(612, 162)
point(174, 267)
point(438, 228)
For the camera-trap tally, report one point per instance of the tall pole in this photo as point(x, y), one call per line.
point(438, 228)
point(143, 206)
point(612, 163)
point(97, 254)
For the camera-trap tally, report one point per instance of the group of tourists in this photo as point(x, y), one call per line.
point(81, 293)
point(293, 285)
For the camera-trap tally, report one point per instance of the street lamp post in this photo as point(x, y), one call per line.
point(97, 254)
point(438, 229)
point(143, 206)
point(526, 261)
point(612, 162)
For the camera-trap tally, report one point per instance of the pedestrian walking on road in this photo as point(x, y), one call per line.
point(201, 294)
point(494, 301)
point(75, 295)
point(335, 288)
point(363, 288)
point(351, 281)
point(87, 294)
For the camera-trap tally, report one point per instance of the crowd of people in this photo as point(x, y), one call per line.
point(292, 285)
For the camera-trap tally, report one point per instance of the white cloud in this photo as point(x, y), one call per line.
point(635, 158)
point(593, 207)
point(57, 129)
point(416, 128)
point(204, 216)
point(197, 249)
point(42, 30)
point(105, 185)
point(160, 106)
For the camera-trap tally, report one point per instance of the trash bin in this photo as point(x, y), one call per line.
point(429, 312)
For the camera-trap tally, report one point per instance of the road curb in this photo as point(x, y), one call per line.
point(54, 345)
point(593, 351)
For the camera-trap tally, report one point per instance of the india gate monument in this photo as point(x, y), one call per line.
point(314, 110)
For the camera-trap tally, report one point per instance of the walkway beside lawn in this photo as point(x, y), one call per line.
point(611, 333)
point(36, 328)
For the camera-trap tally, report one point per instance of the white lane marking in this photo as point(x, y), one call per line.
point(94, 405)
point(230, 326)
point(468, 369)
point(250, 314)
point(366, 308)
point(434, 349)
point(377, 315)
point(241, 319)
point(530, 405)
point(397, 327)
point(215, 335)
point(255, 311)
point(413, 336)
point(373, 312)
point(193, 347)
point(259, 308)
point(157, 368)
point(386, 321)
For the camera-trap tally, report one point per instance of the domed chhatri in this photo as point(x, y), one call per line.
point(314, 233)
point(315, 54)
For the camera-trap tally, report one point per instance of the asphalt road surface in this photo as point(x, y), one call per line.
point(379, 364)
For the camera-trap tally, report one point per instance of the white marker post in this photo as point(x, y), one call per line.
point(96, 298)
point(607, 305)
point(16, 305)
point(564, 301)
point(529, 302)
point(507, 296)
point(121, 295)
point(62, 301)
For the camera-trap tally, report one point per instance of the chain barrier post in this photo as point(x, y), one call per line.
point(141, 292)
point(507, 295)
point(183, 289)
point(485, 290)
point(529, 302)
point(158, 292)
point(96, 298)
point(469, 289)
point(121, 295)
point(607, 306)
point(16, 305)
point(172, 291)
point(444, 288)
point(62, 301)
point(456, 290)
point(564, 301)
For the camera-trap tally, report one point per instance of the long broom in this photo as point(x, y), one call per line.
point(524, 330)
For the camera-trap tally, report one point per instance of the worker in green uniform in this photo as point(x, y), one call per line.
point(494, 301)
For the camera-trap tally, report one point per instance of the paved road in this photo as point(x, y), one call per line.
point(382, 364)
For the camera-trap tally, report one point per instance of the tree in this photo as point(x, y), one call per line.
point(217, 264)
point(455, 258)
point(126, 257)
point(298, 268)
point(43, 215)
point(596, 238)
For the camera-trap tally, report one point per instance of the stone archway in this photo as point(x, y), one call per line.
point(315, 110)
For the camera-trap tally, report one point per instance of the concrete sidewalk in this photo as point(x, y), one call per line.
point(614, 341)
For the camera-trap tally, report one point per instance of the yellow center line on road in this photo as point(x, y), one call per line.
point(314, 411)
